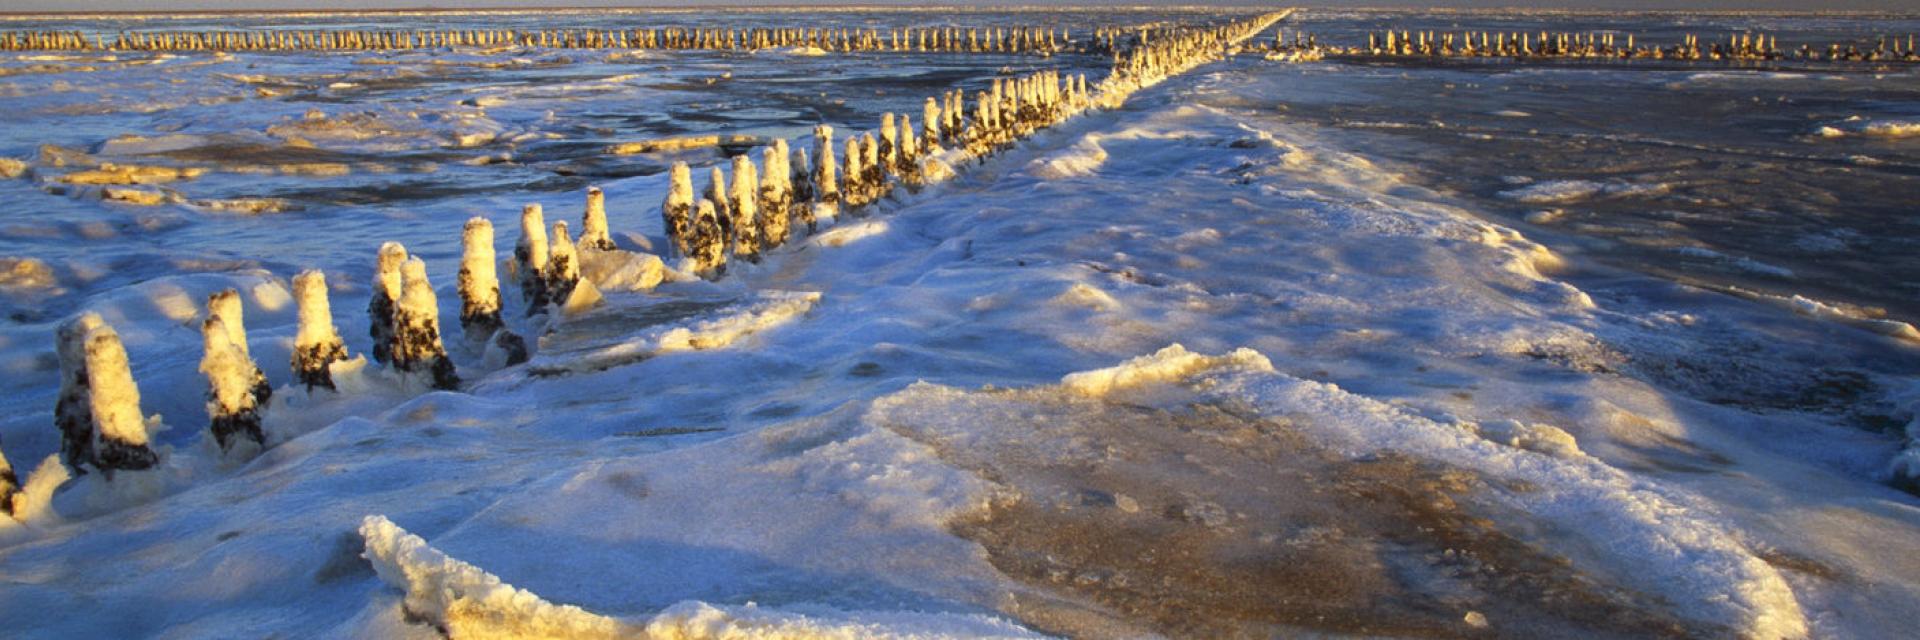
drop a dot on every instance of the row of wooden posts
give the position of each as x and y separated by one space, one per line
1598 46
98 409
762 204
1041 40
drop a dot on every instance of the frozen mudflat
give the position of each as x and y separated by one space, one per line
1214 362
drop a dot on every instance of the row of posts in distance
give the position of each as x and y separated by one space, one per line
1042 40
1528 45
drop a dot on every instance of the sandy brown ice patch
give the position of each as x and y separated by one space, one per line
1208 523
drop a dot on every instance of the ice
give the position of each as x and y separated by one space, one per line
33 505
466 601
1845 314
1691 561
1096 482
1891 129
770 309
22 275
1082 159
1572 191
1888 129
618 270
1187 365
1740 262
1171 364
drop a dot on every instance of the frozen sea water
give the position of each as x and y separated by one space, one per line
1785 178
1395 407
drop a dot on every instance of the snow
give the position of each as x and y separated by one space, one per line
113 396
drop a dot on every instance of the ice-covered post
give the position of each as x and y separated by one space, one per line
722 203
873 179
889 153
930 123
416 325
855 172
593 224
73 411
955 114
826 181
676 213
909 148
709 241
225 305
9 485
120 431
232 408
746 230
478 282
386 292
998 106
982 124
563 268
803 193
316 345
530 258
775 196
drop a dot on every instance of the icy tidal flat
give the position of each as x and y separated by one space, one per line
1240 351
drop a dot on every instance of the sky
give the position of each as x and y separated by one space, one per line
177 5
